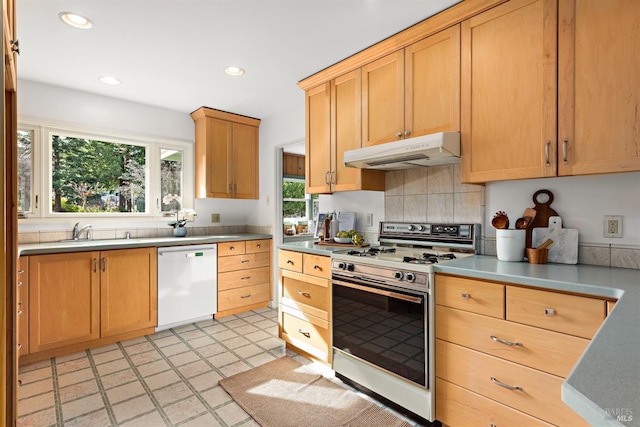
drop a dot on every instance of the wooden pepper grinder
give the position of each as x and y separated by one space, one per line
327 227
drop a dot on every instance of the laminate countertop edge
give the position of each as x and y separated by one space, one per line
109 244
604 385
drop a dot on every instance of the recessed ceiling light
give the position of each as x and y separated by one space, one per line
110 80
75 20
232 70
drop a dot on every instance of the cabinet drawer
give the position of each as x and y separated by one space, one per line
309 334
254 246
239 297
243 262
231 248
539 395
316 265
548 351
570 314
456 406
290 260
241 278
471 295
307 293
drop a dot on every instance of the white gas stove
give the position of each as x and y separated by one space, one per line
383 311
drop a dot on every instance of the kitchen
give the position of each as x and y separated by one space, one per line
434 195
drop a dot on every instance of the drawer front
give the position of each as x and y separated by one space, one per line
234 298
316 265
456 406
243 262
290 260
242 278
548 351
254 246
298 290
569 314
231 248
310 335
539 395
470 295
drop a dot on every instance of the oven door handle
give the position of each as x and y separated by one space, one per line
407 298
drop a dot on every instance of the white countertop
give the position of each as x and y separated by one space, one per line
606 380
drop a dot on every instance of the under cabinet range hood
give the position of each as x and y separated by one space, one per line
427 150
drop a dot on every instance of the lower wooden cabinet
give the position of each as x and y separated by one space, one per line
305 302
244 276
84 299
505 365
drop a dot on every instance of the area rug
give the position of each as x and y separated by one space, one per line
285 393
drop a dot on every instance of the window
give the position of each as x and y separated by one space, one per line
92 176
295 203
97 174
25 170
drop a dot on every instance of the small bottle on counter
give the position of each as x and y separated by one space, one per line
335 226
327 227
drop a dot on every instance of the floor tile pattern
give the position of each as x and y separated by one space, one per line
166 379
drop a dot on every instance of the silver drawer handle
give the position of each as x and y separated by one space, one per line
465 295
306 334
305 294
316 267
549 312
245 296
245 278
244 261
19 346
289 261
505 342
507 386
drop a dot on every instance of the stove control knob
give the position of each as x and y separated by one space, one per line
421 228
411 277
411 227
350 267
398 275
342 265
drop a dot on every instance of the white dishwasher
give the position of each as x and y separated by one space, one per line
187 284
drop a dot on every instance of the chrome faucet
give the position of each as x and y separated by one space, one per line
77 232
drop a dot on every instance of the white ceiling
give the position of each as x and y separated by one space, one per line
171 53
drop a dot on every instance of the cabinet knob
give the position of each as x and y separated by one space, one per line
289 261
259 245
407 132
549 312
232 248
399 135
15 46
465 295
20 271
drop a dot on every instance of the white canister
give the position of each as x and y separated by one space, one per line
510 244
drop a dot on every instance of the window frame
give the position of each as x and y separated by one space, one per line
42 189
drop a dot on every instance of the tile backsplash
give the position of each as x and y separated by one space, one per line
432 194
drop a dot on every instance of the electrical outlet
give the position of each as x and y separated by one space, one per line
215 217
369 220
613 226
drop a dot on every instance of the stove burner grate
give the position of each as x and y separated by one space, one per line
372 251
427 255
413 260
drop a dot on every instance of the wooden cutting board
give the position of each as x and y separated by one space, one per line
543 213
564 249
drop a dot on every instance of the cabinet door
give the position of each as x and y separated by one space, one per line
128 289
383 100
346 128
599 87
244 161
219 134
432 84
508 86
318 141
64 296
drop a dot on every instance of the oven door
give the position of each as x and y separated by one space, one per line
385 327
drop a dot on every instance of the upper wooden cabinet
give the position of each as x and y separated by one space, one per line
599 86
509 92
226 154
414 91
523 71
293 164
333 126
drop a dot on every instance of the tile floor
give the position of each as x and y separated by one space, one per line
166 379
